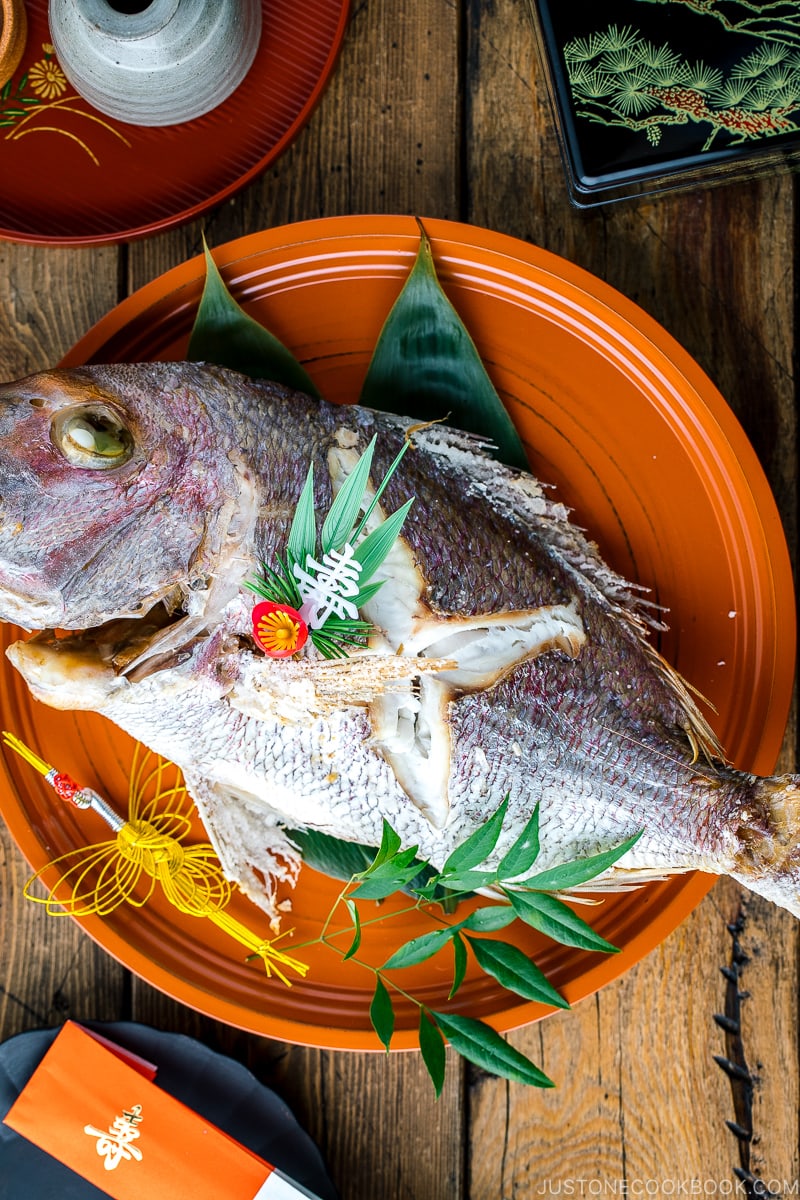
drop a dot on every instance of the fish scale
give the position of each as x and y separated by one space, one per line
506 657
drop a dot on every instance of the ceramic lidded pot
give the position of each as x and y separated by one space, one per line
159 62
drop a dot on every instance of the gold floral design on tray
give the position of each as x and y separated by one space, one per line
39 100
46 77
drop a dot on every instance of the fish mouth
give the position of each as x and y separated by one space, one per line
128 647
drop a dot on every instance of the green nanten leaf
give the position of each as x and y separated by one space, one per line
521 856
468 881
418 950
381 1013
223 333
431 1044
426 365
459 962
390 876
553 917
390 844
355 918
480 1044
515 971
346 506
490 919
579 870
478 845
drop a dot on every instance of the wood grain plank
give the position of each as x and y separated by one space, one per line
49 969
49 297
639 1096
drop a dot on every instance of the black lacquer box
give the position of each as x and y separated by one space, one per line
653 95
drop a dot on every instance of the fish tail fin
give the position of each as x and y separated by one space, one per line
768 855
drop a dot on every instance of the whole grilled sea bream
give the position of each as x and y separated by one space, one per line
136 501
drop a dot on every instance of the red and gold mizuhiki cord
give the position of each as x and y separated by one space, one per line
147 848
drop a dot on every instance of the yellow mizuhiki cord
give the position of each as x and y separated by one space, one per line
147 847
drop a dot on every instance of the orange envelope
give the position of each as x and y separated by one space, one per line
106 1120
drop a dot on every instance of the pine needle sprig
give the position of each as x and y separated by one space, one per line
344 527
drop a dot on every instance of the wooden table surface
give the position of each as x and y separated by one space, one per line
438 108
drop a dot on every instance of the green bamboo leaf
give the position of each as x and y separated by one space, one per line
343 512
490 919
376 545
380 490
459 963
303 533
426 365
347 860
381 1013
223 333
418 950
514 970
355 918
431 1043
579 870
523 853
554 918
6 91
478 845
332 856
480 1044
366 593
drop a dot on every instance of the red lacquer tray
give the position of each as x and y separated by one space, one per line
69 175
637 442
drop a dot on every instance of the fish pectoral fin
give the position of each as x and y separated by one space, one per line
301 690
486 647
249 841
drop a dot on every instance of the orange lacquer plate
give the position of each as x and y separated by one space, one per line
635 439
73 176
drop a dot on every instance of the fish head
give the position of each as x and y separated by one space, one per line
112 482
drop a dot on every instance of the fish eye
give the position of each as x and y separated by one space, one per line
91 436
